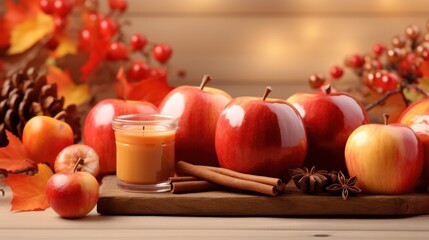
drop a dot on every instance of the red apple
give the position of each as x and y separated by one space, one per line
417 117
261 136
69 156
72 195
197 110
44 137
329 119
98 132
387 159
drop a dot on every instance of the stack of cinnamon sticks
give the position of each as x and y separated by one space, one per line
205 178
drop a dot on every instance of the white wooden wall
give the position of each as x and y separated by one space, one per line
247 44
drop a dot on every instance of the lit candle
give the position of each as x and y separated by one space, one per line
144 151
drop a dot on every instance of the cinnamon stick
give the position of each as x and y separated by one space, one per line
193 186
255 178
207 174
182 179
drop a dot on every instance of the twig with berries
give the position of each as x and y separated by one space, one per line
390 70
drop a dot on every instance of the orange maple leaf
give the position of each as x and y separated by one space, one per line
73 93
29 191
152 89
13 157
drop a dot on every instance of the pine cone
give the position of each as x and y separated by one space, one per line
25 95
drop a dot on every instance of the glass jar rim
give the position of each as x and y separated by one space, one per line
168 121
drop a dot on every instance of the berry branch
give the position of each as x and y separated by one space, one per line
400 68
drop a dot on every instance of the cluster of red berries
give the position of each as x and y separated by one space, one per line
387 68
103 34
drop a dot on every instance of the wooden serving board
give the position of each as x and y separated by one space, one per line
230 203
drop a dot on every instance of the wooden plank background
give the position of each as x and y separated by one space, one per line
255 43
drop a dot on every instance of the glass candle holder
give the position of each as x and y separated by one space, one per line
144 151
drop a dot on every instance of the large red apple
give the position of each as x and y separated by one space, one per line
387 159
261 136
197 110
98 132
417 117
329 119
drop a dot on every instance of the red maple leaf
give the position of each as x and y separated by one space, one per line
152 89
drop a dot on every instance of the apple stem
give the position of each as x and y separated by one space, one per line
268 89
386 118
79 162
205 80
328 89
60 115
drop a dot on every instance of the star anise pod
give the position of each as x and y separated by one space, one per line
332 178
308 182
345 185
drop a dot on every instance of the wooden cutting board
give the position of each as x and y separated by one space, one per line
231 203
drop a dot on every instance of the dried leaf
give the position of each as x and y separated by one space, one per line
13 157
65 47
73 94
152 89
27 33
29 191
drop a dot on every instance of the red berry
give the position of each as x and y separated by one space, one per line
398 41
412 32
107 27
162 52
336 72
59 23
356 61
117 51
379 49
47 6
138 42
120 5
85 39
316 81
157 72
138 71
62 7
385 81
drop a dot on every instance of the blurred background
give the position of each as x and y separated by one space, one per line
248 44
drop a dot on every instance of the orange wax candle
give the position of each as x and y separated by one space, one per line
144 151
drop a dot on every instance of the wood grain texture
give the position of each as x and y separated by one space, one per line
222 203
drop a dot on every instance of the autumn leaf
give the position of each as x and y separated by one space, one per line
96 56
13 157
27 33
29 191
73 94
16 13
152 89
66 46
